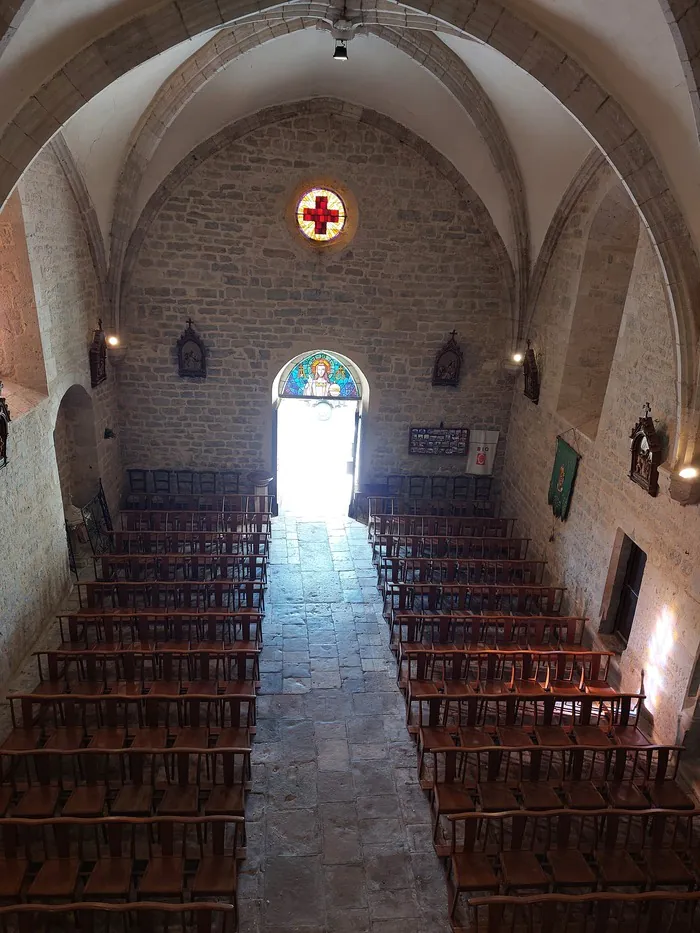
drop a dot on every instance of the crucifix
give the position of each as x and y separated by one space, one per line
189 322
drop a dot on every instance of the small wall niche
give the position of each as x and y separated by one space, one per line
622 588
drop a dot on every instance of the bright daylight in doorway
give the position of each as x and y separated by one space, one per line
315 439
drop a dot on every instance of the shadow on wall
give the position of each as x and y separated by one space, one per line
76 449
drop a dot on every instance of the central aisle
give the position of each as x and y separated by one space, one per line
339 835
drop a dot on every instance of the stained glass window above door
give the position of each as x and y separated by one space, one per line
320 375
321 215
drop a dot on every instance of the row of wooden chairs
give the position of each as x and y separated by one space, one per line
558 850
195 521
191 542
193 595
491 779
553 718
189 482
181 567
135 781
461 486
123 858
470 599
73 718
142 916
599 912
483 548
458 570
151 628
445 631
61 671
477 526
462 671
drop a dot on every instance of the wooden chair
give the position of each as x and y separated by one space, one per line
59 873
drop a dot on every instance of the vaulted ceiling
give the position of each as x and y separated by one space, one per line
513 140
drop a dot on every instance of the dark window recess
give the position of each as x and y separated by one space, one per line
635 561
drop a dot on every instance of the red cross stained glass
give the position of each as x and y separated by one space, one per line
321 215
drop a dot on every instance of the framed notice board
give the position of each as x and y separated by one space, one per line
441 442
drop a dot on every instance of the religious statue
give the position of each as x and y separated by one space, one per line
4 422
319 385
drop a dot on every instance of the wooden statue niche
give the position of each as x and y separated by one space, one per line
98 356
448 363
4 422
645 449
532 375
191 354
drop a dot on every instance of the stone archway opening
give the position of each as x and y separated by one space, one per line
76 449
318 407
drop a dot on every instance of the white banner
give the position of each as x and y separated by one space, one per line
482 452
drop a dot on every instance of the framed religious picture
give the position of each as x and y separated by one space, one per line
191 354
4 423
448 363
98 356
561 485
646 452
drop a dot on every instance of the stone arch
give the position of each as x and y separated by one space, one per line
75 445
427 50
600 302
683 18
488 21
318 105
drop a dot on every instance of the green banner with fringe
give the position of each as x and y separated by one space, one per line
561 484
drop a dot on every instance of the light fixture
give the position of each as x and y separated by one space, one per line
517 357
113 341
688 472
341 51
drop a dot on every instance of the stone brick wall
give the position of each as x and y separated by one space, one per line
221 250
666 633
35 576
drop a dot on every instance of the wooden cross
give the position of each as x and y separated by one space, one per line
453 334
321 215
189 322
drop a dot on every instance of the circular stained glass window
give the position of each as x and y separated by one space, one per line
321 215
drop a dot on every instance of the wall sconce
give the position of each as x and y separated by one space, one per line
517 357
112 341
685 485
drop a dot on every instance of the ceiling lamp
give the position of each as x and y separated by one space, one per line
341 51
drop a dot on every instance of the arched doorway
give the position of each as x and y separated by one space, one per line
318 409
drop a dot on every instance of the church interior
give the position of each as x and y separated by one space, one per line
350 466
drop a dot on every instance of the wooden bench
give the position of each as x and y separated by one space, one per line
458 570
192 595
476 631
88 916
184 520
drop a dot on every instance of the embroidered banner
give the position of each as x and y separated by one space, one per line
561 484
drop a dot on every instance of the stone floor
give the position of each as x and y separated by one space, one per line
339 835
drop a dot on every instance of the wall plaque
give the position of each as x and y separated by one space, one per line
440 442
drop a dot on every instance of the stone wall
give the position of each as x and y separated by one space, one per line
221 250
666 633
35 576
